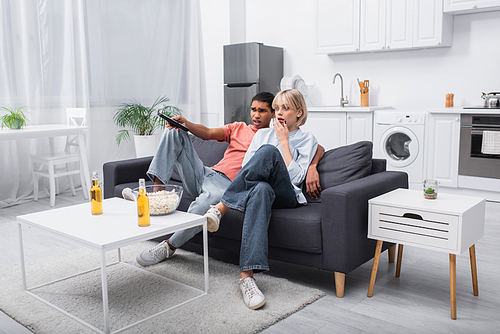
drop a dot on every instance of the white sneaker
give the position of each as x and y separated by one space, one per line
128 194
213 219
155 255
253 297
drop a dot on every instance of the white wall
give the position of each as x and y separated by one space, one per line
413 80
215 33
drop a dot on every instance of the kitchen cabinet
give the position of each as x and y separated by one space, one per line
337 28
338 128
381 25
359 126
385 24
329 128
470 6
430 26
442 147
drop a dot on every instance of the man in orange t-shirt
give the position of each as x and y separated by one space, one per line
208 184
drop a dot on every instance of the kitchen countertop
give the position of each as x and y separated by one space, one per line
461 110
345 109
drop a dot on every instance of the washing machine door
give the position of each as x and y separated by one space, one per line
399 146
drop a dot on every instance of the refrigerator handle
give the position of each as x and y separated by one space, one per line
246 84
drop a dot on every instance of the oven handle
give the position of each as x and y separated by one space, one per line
480 131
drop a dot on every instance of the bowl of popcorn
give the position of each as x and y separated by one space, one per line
163 199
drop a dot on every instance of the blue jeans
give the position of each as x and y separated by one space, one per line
262 184
204 183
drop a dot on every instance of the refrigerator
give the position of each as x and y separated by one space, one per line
249 68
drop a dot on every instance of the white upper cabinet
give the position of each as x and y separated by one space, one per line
372 25
399 30
381 25
470 6
337 28
431 27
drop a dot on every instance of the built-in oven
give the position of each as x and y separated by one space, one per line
472 160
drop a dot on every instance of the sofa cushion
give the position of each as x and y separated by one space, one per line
344 164
298 229
209 151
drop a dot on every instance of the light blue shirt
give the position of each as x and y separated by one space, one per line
303 147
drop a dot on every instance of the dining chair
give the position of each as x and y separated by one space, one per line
57 164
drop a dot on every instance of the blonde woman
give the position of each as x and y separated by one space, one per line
272 173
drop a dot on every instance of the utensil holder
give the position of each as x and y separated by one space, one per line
365 99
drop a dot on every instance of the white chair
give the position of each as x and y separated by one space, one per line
54 165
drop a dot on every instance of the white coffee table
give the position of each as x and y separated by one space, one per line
450 223
117 227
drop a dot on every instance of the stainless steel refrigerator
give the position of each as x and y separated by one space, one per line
249 68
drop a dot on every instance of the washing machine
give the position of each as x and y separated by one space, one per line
398 137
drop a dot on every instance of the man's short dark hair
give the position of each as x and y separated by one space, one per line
265 97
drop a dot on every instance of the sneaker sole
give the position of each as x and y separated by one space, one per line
259 305
143 264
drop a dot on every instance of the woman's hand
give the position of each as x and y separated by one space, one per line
281 131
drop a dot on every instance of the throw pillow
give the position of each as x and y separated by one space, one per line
344 164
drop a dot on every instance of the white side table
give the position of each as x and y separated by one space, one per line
450 224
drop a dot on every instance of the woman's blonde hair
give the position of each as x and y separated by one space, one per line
295 100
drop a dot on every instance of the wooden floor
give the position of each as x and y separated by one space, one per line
416 302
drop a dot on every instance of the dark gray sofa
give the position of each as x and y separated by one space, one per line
329 233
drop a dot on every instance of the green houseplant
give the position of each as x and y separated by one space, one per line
142 120
14 119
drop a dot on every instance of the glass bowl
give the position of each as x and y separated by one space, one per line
163 199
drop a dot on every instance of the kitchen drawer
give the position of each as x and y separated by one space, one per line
419 227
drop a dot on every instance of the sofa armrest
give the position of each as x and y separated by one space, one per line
124 171
345 219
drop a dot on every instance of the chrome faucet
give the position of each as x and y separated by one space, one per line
342 101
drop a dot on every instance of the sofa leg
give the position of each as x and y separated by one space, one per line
392 253
339 284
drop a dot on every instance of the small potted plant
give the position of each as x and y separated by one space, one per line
14 119
430 193
143 121
430 189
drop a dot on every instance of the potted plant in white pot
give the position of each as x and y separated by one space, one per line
14 119
143 121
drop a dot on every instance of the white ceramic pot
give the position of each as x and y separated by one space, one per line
145 146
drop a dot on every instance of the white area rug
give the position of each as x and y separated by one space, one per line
134 295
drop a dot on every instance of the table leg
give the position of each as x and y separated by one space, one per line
375 267
473 269
391 252
205 255
21 248
105 304
453 285
400 258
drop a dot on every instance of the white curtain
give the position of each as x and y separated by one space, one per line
93 54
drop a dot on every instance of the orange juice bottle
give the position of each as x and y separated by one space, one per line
143 204
96 196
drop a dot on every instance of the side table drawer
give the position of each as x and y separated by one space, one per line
415 226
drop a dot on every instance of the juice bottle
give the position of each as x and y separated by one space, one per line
143 204
96 196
